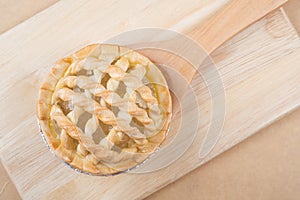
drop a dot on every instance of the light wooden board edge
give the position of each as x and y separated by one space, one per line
291 9
285 14
13 13
7 187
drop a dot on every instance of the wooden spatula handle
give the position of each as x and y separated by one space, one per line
230 20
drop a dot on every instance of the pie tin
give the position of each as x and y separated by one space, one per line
104 175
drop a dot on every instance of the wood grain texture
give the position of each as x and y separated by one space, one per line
14 12
233 17
267 163
29 161
7 188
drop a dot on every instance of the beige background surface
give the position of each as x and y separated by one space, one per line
265 166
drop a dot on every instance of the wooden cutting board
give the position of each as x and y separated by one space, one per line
37 173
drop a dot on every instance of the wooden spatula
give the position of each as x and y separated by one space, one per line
209 34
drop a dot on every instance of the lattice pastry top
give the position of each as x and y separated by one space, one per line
104 109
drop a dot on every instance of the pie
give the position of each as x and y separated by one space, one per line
104 109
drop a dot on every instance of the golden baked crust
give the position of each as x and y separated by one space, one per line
104 109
